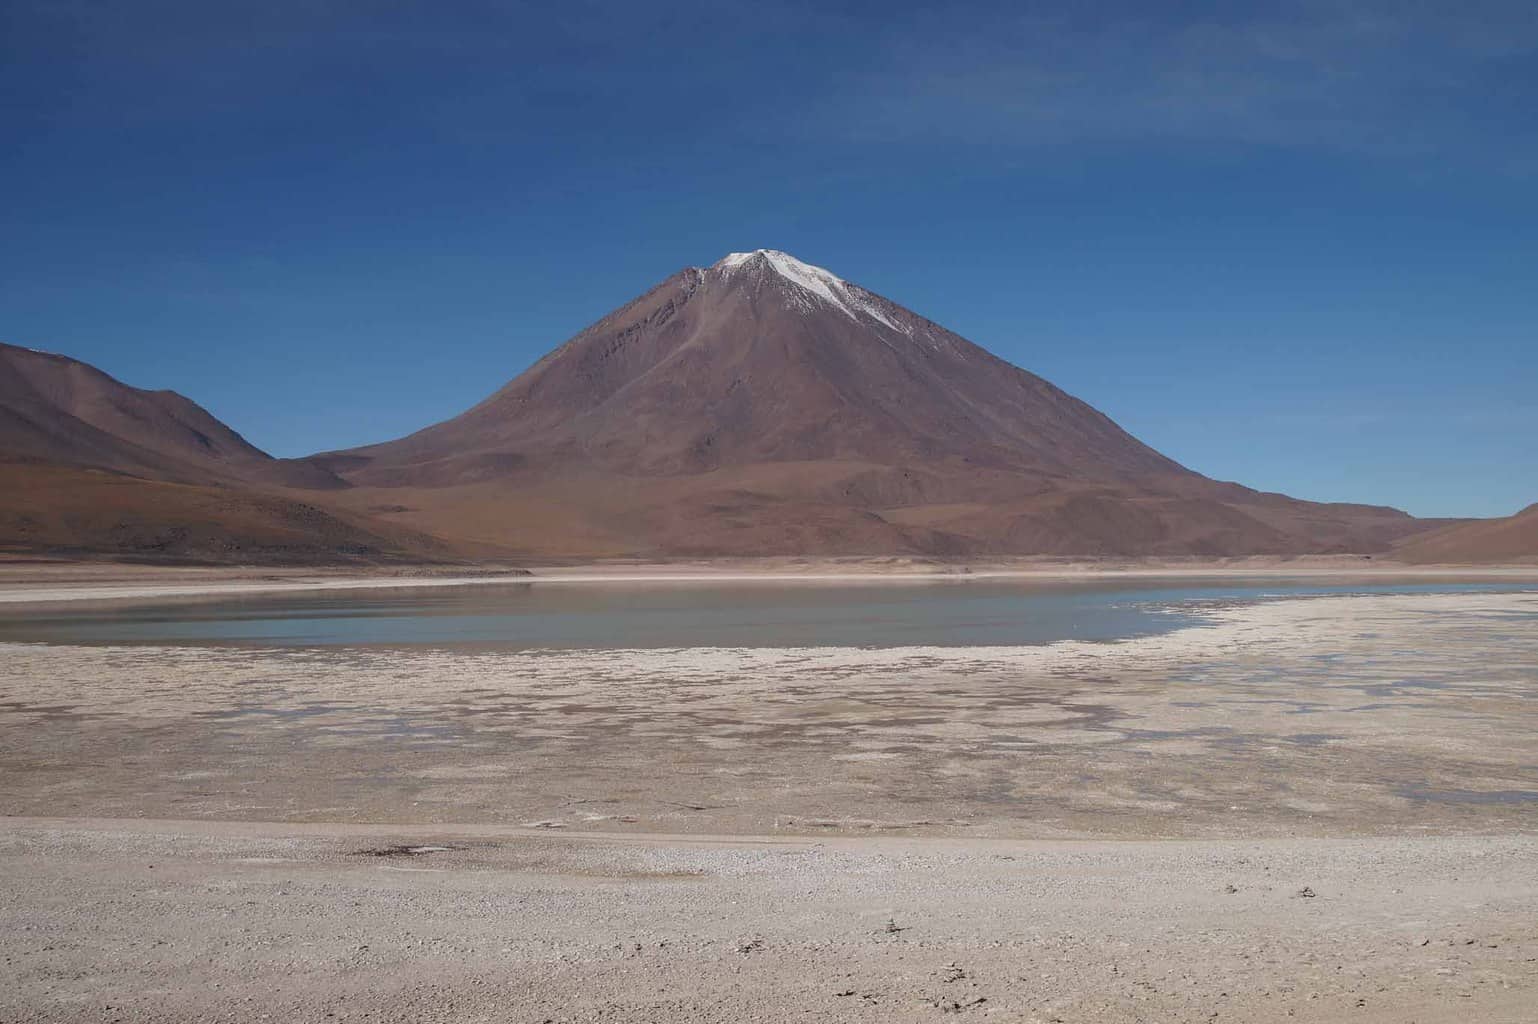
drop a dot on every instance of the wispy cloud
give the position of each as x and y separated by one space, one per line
1403 78
1426 82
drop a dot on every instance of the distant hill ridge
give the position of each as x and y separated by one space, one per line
60 410
91 466
1512 539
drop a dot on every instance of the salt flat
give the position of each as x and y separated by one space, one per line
1046 833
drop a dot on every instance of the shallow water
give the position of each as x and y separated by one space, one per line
948 612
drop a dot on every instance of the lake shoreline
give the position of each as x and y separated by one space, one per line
1179 733
25 582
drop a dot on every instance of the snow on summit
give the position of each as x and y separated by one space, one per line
851 300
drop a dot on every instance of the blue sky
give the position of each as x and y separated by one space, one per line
1290 244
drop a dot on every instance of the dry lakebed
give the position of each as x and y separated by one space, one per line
1318 807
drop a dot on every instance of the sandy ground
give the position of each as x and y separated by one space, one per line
1081 832
171 921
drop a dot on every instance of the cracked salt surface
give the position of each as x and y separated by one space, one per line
1419 708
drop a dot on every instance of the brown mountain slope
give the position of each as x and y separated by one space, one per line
60 410
70 510
1512 539
89 465
764 359
765 406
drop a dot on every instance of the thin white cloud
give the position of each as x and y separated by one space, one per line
1402 79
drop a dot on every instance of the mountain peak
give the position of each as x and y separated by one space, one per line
781 262
815 285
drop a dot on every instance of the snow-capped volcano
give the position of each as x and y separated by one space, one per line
762 357
765 405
